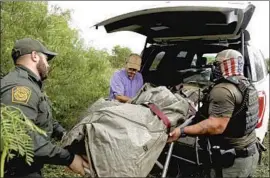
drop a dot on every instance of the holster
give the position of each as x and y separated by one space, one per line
223 158
227 157
261 147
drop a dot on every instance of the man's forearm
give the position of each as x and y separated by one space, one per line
210 126
50 153
122 98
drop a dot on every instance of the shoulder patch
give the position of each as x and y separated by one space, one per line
21 94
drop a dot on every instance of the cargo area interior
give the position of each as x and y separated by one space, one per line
184 62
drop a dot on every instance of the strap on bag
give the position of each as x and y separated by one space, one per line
159 113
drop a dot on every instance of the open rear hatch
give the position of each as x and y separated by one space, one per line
176 21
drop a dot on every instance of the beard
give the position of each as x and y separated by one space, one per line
42 70
130 75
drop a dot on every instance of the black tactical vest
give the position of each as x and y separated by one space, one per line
245 116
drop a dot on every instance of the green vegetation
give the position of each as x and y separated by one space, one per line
14 135
263 170
79 75
119 56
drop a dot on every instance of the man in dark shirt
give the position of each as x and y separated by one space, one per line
22 88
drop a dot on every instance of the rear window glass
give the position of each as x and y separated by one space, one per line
182 54
257 65
210 57
194 61
263 61
157 60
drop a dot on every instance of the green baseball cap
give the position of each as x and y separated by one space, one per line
27 46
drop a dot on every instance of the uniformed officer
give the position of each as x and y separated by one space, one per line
230 118
22 88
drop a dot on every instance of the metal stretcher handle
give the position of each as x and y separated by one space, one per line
169 155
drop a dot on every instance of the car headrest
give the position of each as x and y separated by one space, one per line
201 61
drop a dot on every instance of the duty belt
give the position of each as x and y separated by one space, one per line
248 151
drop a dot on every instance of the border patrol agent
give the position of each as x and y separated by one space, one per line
22 88
230 117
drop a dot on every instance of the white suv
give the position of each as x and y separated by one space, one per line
180 35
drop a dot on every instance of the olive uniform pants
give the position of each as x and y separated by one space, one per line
242 167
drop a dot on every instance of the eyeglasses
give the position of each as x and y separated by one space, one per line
133 70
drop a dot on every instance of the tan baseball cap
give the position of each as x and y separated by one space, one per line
134 62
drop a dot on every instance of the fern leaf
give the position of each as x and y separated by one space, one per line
15 128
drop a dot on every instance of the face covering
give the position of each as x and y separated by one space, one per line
228 67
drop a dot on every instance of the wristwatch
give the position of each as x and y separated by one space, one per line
182 133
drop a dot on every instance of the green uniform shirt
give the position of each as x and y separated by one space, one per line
223 100
23 89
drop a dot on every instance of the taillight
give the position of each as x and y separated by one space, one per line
262 102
